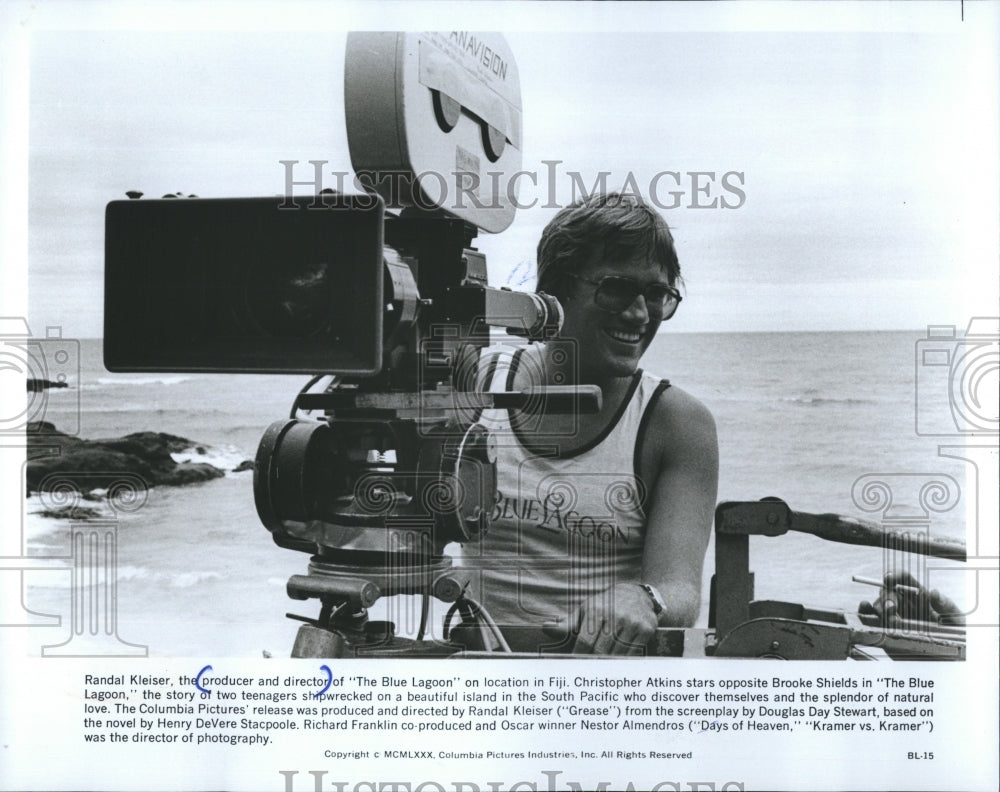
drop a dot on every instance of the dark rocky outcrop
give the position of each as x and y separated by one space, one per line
92 464
35 385
73 512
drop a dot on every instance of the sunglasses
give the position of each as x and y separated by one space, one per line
615 294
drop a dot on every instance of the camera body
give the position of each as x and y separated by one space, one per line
956 380
257 285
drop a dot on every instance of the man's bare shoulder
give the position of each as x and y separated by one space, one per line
680 424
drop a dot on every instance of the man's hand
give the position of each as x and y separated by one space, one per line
618 621
902 597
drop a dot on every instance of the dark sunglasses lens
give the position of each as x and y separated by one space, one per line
662 299
616 294
658 295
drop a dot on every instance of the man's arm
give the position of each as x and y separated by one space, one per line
681 458
681 504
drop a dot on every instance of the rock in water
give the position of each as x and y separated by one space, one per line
91 464
71 513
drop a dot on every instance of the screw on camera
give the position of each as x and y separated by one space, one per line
957 379
47 364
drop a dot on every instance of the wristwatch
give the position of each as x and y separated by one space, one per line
654 595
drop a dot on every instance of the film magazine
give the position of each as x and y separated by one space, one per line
829 175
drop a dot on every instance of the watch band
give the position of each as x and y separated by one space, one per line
654 595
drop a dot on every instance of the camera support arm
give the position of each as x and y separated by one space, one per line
745 627
773 517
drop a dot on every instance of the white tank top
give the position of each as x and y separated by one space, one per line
565 526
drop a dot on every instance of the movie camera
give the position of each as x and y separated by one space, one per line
393 306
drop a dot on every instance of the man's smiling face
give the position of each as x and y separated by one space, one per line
609 343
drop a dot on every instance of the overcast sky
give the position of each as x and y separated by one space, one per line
865 141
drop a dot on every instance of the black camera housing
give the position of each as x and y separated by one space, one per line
258 285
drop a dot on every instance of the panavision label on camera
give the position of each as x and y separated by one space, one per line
432 116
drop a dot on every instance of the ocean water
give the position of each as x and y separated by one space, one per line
801 416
